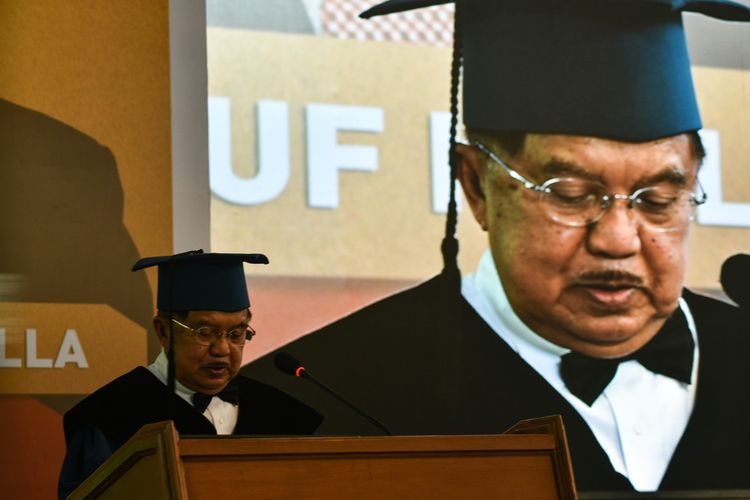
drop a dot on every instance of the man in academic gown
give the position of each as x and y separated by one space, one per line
582 167
203 318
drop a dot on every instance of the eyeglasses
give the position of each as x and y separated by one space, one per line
207 335
580 202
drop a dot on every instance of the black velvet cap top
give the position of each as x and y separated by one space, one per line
197 281
608 68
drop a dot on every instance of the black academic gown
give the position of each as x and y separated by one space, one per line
103 421
424 362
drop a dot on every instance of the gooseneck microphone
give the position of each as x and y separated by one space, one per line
288 364
735 279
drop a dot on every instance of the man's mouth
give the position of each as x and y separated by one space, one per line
611 294
610 288
216 368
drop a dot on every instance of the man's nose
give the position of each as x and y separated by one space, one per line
616 234
220 345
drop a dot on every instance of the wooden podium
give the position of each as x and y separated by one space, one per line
529 461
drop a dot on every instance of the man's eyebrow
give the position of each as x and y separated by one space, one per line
671 175
239 324
242 324
560 168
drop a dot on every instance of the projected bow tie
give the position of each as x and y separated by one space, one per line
230 394
669 353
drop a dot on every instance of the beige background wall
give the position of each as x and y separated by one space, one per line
85 190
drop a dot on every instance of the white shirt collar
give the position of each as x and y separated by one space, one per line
159 369
491 292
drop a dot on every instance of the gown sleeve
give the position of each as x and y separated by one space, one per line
87 449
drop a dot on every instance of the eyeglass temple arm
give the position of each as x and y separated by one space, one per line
702 195
515 175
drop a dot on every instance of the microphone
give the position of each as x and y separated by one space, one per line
735 279
288 364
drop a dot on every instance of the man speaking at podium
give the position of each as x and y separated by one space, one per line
582 166
204 310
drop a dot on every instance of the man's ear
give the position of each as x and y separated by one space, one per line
471 175
161 332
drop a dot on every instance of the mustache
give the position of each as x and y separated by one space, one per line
608 277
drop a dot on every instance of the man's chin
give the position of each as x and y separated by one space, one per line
212 389
212 385
583 330
611 342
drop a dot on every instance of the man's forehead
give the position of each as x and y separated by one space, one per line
596 156
216 316
555 141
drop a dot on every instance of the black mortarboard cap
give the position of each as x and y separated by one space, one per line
607 68
200 281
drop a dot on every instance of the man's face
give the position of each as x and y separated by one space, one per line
603 289
204 368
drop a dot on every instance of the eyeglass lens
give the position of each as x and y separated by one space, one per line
577 202
207 336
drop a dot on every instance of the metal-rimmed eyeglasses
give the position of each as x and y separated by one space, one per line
206 335
577 202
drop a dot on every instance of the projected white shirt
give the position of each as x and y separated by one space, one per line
639 418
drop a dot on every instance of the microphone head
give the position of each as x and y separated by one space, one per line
735 279
288 364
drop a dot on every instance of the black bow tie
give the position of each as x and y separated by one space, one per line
230 394
669 353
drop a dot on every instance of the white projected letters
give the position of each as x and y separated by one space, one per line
716 211
273 153
5 361
70 351
325 156
32 361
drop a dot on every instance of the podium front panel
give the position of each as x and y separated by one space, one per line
433 467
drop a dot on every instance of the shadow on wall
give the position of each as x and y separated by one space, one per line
61 218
